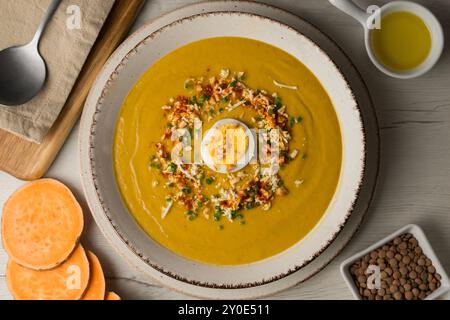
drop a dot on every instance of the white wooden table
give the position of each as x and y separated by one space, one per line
414 184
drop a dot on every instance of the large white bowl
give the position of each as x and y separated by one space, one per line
96 140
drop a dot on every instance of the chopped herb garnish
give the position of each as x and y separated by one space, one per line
278 104
209 180
155 166
194 100
189 84
186 190
172 167
292 122
217 213
221 110
233 83
304 156
191 215
169 126
250 205
251 191
203 99
225 99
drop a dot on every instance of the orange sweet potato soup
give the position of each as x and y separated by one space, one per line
235 217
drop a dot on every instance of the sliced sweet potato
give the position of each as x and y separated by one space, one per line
112 296
68 281
41 224
96 286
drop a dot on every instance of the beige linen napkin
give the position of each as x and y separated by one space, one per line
64 49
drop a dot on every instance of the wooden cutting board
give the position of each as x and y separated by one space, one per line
29 161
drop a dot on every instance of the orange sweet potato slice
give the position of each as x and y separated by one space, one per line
68 281
112 296
41 224
96 286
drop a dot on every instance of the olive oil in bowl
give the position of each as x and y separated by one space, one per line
410 41
403 42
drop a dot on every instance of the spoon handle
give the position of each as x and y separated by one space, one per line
350 8
50 11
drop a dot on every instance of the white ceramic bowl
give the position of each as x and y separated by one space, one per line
437 34
417 232
99 121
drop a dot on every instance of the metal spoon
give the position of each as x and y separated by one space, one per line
22 69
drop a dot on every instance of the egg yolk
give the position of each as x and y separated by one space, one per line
228 145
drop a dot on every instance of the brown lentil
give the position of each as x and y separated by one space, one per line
409 295
398 296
